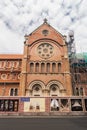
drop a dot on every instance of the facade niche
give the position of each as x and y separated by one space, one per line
53 67
48 68
81 91
77 92
31 67
16 92
42 67
59 67
11 92
37 67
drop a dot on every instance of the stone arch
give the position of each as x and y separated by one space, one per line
55 88
30 86
55 82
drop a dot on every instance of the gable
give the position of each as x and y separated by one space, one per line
45 31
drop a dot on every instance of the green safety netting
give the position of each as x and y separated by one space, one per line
81 60
82 56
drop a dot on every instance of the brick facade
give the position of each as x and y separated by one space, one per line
45 63
41 73
46 67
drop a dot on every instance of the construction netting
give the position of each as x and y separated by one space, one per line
82 57
79 60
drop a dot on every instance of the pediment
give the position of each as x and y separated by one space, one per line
46 31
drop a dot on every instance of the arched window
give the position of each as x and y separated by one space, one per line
53 87
2 64
16 92
9 64
53 67
81 91
31 67
59 67
37 91
37 67
11 92
77 92
15 64
48 68
36 87
42 67
54 91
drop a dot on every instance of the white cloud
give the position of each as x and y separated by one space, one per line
18 17
10 42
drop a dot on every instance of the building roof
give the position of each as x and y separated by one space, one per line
11 56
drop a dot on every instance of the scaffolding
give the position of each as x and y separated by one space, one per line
78 66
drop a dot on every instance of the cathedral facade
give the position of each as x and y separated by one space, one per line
40 79
43 69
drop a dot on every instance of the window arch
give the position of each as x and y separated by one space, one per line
48 68
81 91
9 64
77 91
54 91
2 64
37 90
16 92
53 67
31 67
36 87
42 67
37 67
16 64
59 67
53 87
13 92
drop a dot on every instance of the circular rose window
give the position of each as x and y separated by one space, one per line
45 50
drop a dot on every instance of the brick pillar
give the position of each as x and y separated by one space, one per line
24 70
67 76
47 104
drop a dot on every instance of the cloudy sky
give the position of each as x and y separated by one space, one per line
20 17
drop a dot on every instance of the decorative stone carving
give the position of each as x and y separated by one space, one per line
45 50
4 76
